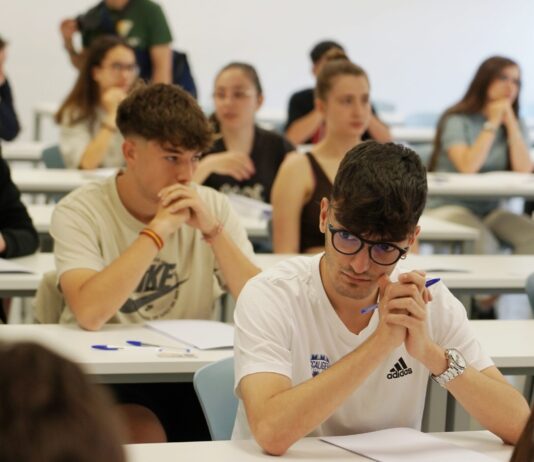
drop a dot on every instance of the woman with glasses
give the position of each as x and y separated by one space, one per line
244 158
483 133
88 134
342 96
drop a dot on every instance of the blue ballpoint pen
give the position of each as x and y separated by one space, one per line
373 307
138 343
105 347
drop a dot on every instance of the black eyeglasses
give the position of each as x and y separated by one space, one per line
382 253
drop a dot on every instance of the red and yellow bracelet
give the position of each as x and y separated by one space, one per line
156 238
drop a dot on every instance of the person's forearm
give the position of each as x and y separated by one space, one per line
302 129
379 131
96 150
161 57
474 158
497 406
235 266
519 155
287 416
101 296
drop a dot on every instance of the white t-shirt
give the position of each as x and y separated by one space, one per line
92 228
74 139
286 324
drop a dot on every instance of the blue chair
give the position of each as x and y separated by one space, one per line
52 157
529 288
214 386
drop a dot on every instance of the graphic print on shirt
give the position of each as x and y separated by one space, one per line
157 292
400 369
319 363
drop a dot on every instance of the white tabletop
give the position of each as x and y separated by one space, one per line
25 284
305 450
52 181
491 185
432 229
122 366
414 135
461 273
510 343
28 151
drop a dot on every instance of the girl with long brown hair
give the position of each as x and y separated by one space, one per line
483 133
88 134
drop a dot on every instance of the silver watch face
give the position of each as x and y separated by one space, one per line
456 358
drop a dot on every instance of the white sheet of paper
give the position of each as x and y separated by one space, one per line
7 266
201 334
405 445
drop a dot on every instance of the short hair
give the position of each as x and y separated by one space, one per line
321 48
164 113
50 411
380 191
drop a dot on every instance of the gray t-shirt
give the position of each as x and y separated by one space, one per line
465 129
92 228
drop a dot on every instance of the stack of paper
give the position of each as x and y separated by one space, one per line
405 445
7 266
204 335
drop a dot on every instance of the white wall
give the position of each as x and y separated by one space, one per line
420 54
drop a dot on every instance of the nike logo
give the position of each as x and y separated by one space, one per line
131 306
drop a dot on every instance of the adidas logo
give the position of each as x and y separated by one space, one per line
399 370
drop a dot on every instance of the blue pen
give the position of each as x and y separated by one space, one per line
373 307
139 343
111 347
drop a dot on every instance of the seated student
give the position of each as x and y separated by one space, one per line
342 96
524 449
244 158
9 124
51 412
18 236
482 133
88 135
305 122
149 244
308 362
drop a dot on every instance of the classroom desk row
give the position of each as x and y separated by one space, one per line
305 450
499 185
509 343
433 230
463 274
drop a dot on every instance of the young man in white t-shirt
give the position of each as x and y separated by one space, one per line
148 244
309 362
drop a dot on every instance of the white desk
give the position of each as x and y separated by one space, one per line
122 366
55 181
423 135
491 185
25 284
463 274
25 151
305 450
432 229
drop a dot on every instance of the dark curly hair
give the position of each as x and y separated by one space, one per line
164 113
380 191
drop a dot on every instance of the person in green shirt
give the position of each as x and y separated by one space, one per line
141 23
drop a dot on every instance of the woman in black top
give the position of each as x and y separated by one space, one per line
9 124
244 158
342 96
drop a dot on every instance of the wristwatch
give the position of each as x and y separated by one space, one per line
456 367
489 126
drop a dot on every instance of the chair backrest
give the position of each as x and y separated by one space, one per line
529 288
214 385
52 157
